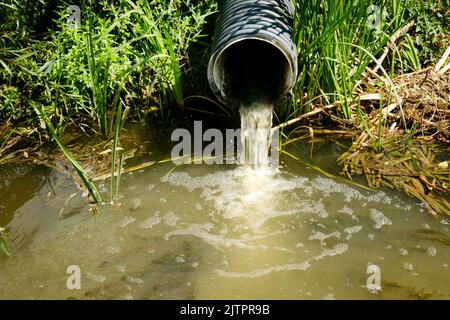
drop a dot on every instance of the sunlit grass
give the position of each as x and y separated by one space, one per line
3 245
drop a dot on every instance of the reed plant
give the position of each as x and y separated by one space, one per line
82 173
329 35
3 245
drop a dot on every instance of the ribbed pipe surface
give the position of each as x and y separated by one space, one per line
253 54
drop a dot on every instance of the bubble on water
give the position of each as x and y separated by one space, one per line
135 204
351 231
284 249
180 260
408 266
96 277
150 186
261 272
151 221
327 186
113 249
329 296
431 251
202 232
195 265
128 297
235 193
379 218
371 236
317 235
126 221
403 252
134 280
170 219
426 226
339 248
348 211
121 269
163 200
198 206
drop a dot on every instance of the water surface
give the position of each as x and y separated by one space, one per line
213 232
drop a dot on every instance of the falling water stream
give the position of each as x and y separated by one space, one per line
256 124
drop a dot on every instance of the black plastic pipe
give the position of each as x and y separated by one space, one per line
253 56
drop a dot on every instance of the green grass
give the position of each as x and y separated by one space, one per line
335 45
333 40
3 245
84 176
126 57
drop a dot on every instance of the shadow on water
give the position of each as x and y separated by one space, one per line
18 184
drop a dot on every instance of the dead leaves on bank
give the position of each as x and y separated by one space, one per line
412 168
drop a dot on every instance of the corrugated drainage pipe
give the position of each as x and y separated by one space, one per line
253 56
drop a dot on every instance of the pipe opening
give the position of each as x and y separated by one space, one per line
252 70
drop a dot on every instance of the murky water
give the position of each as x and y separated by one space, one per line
203 232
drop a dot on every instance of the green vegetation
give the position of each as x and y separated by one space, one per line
3 246
337 41
134 59
131 54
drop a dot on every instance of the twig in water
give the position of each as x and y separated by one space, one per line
304 116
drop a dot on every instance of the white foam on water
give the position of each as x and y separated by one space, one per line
408 266
338 249
351 231
96 277
262 272
151 221
379 218
126 221
170 219
317 235
202 232
253 195
134 280
113 249
327 186
431 251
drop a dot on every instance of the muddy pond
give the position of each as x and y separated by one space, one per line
220 232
